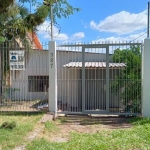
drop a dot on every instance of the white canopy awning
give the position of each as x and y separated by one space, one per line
94 65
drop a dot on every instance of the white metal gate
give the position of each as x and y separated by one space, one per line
100 78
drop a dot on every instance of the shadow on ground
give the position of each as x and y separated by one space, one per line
112 122
20 113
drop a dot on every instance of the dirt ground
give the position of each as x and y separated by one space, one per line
84 124
76 123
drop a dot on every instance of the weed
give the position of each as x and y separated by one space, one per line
8 125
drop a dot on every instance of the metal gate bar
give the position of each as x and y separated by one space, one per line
83 79
110 74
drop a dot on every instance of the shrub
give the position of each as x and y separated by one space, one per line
8 125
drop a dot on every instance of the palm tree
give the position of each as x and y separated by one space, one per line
4 4
13 31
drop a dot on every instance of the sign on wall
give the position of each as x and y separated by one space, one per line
17 60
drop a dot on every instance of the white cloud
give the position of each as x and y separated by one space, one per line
133 37
78 35
121 23
61 37
44 32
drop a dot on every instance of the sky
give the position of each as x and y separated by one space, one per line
100 20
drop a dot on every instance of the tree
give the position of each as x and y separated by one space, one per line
4 4
15 17
16 22
129 78
60 9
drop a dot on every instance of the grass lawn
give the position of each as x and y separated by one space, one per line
76 133
134 138
10 138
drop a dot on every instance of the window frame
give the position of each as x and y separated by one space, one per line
38 83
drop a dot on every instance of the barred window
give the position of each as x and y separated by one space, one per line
38 83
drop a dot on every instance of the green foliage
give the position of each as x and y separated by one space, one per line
18 21
63 9
8 92
37 18
60 9
129 78
4 4
136 121
23 11
8 125
132 58
4 58
28 1
2 39
12 23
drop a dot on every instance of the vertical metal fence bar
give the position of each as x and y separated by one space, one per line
72 79
95 83
62 80
119 80
75 86
141 78
126 92
107 79
83 79
88 82
102 83
80 88
87 92
68 77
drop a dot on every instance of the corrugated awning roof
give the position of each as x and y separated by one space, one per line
94 65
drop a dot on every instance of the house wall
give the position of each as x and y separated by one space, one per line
69 79
36 65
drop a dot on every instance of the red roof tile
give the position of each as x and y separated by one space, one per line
35 40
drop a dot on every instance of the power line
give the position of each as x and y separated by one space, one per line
139 36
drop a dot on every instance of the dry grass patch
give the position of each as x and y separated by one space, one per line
115 134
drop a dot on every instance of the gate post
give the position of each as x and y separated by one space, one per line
52 97
146 79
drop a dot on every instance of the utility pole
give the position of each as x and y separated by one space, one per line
51 15
52 98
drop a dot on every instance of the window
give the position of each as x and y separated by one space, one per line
38 83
